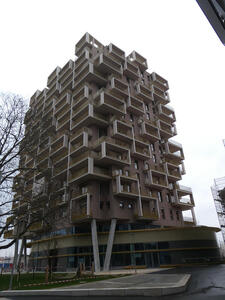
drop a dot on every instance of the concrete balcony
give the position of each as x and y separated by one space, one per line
82 168
37 226
122 131
174 152
173 172
118 87
58 146
150 131
135 106
66 76
166 113
183 203
87 116
54 90
87 41
159 82
63 120
126 186
105 64
188 221
144 93
108 104
52 78
166 130
79 144
83 58
112 154
49 128
80 97
130 70
116 53
183 197
156 179
62 104
60 168
9 234
160 96
138 60
140 150
89 73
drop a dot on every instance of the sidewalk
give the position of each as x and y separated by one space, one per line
136 285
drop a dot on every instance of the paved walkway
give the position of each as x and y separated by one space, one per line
135 285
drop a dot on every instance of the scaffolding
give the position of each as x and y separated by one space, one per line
218 192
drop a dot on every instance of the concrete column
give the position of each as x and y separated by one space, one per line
25 254
193 216
109 245
95 245
140 211
20 253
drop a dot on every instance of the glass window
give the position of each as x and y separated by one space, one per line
160 197
163 213
136 164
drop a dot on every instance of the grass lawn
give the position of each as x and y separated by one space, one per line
39 278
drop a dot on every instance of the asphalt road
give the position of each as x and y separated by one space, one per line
207 282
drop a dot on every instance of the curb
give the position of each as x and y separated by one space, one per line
139 291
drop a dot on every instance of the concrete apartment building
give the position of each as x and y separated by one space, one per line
108 145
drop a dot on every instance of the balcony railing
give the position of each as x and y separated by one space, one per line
107 103
159 82
160 96
116 53
114 154
130 70
148 216
139 60
134 105
89 73
166 113
150 132
87 41
87 116
144 93
118 87
122 131
107 65
79 144
140 150
157 180
126 186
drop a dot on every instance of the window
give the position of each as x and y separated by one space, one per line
148 116
84 189
130 205
108 204
131 118
154 158
120 172
168 198
121 205
102 132
128 188
146 107
101 204
171 214
163 213
127 173
136 164
152 146
177 215
160 197
146 166
119 156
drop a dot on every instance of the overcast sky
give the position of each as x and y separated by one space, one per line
174 36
